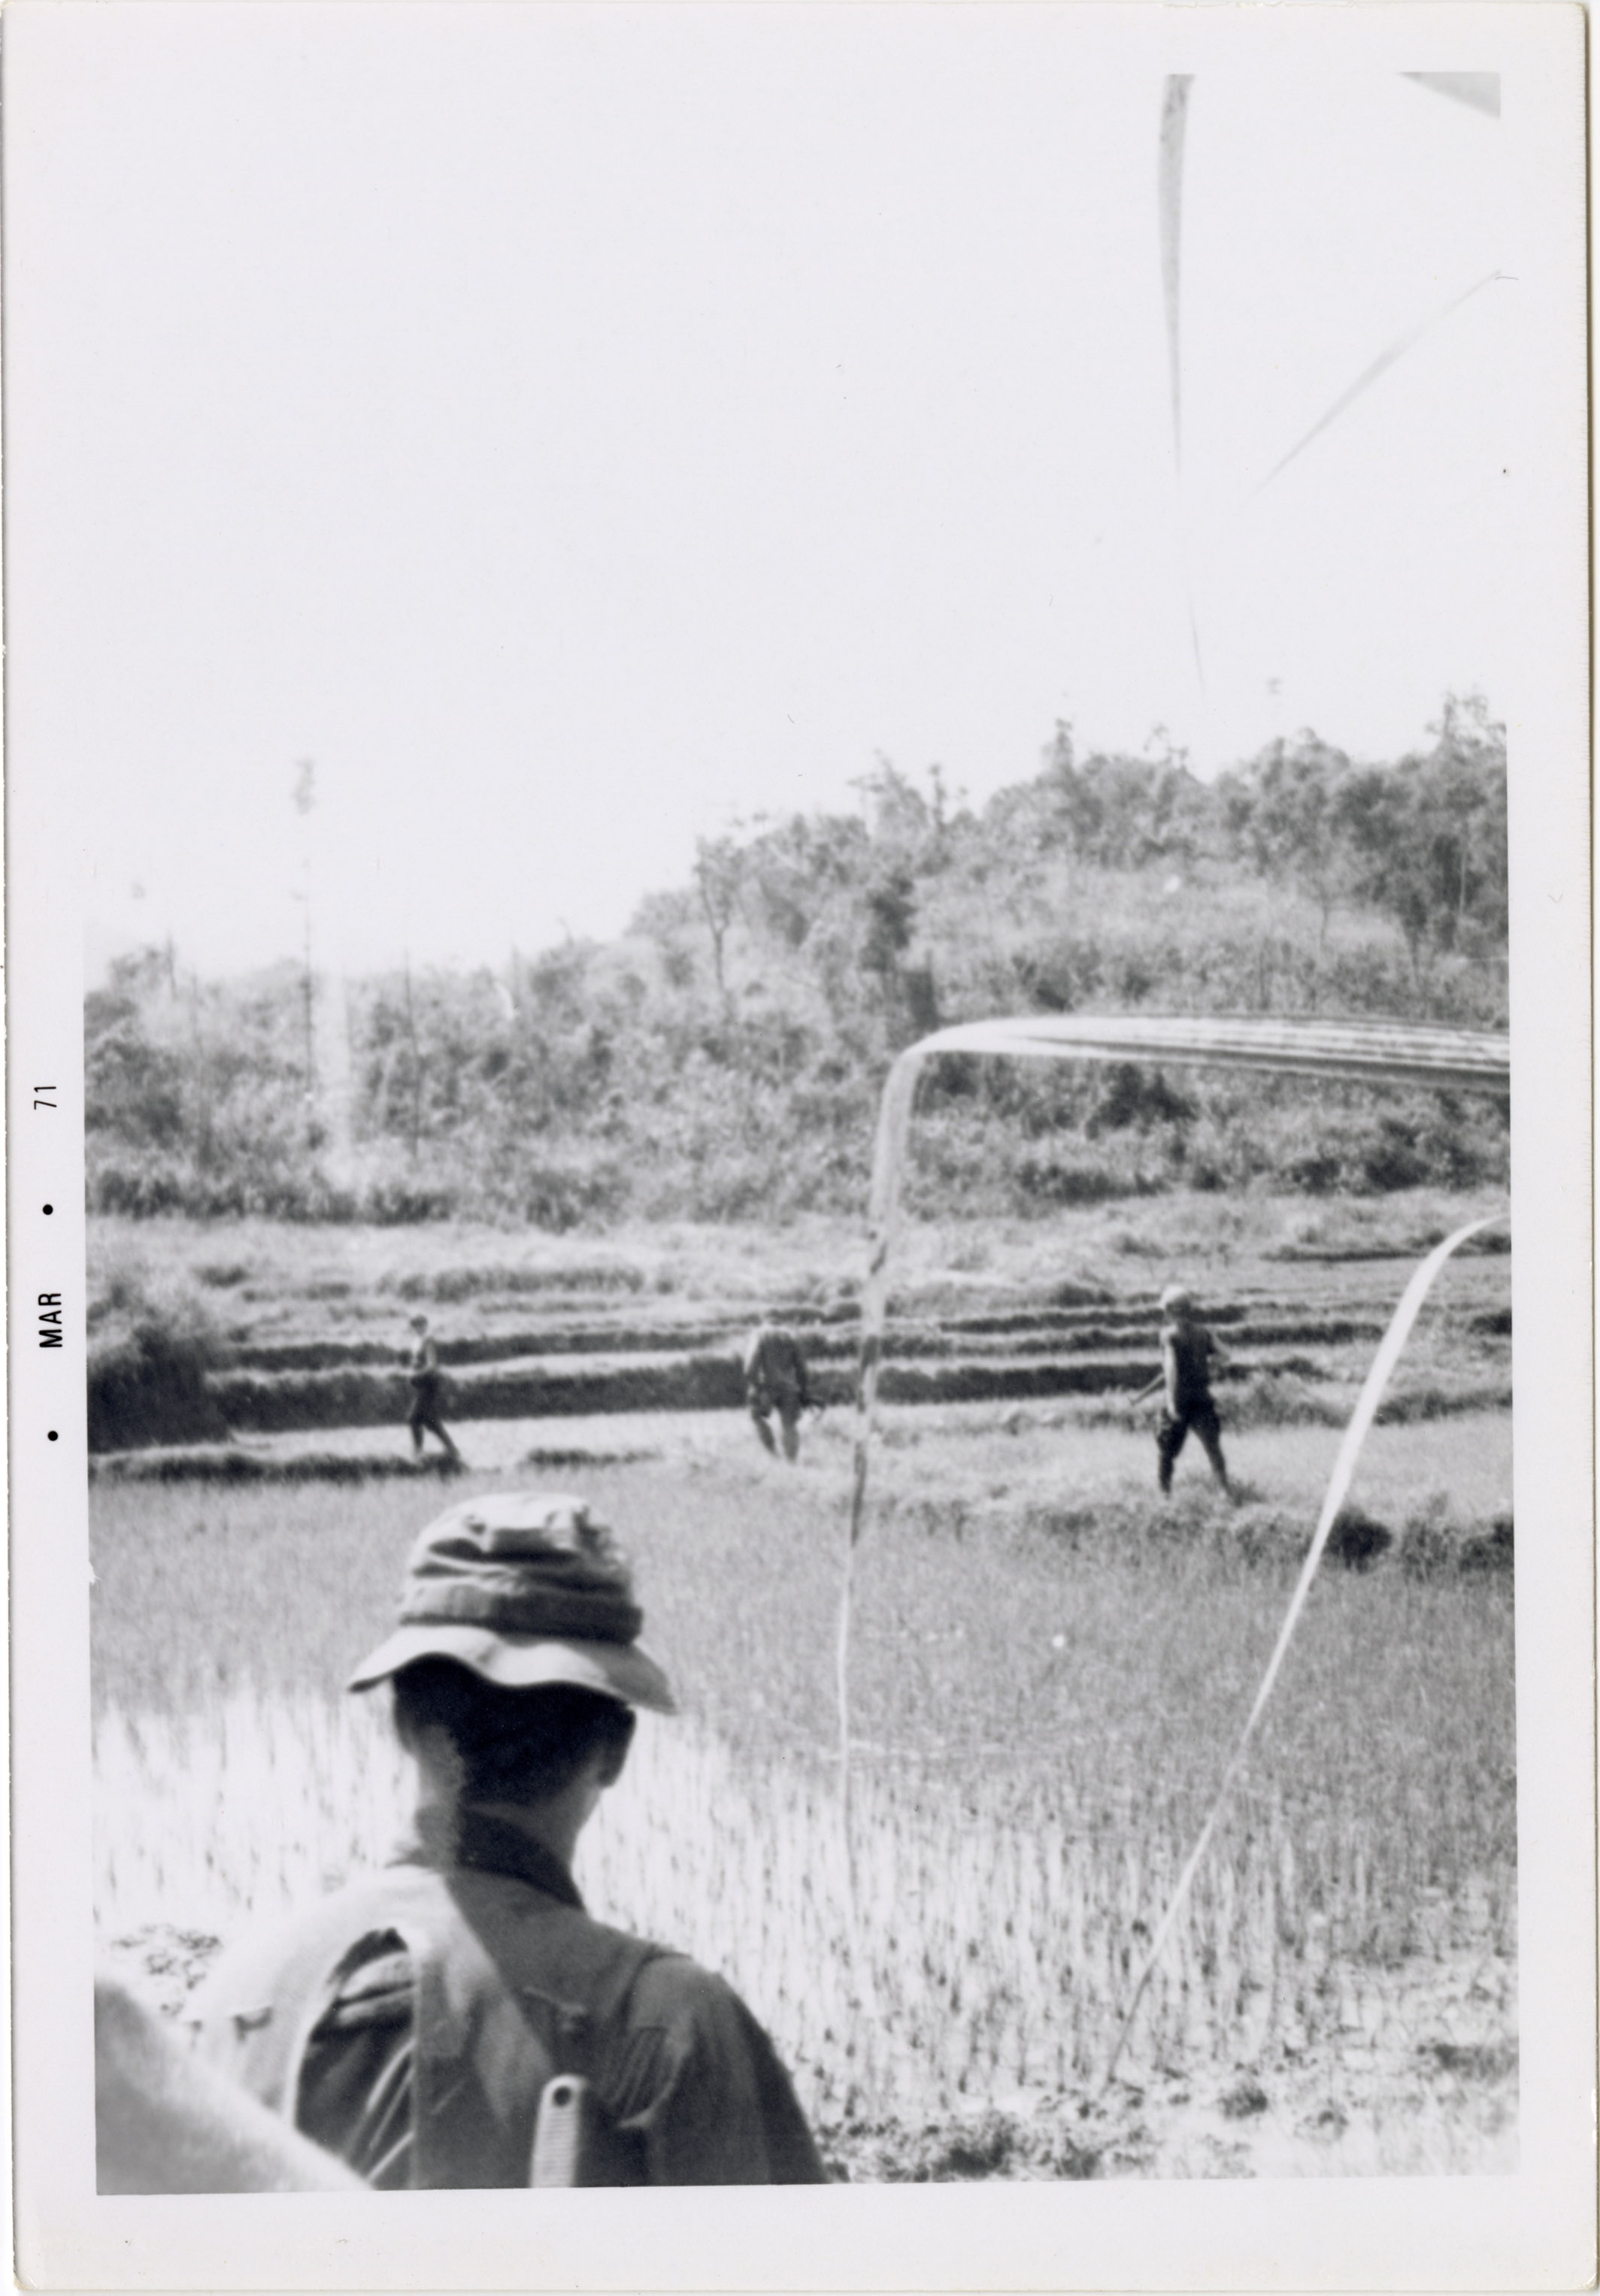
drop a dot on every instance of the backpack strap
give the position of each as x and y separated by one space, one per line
510 1988
568 1978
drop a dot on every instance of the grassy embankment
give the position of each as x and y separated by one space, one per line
265 1278
279 1330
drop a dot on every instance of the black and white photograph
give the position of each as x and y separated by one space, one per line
797 845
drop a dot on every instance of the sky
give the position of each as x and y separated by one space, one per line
577 431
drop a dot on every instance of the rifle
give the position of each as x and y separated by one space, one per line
574 2142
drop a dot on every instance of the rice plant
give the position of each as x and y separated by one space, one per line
1042 1719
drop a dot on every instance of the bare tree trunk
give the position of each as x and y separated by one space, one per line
202 1097
309 995
415 1126
718 934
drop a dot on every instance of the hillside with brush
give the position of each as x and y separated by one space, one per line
722 1060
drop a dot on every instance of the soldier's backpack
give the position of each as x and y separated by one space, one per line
515 1998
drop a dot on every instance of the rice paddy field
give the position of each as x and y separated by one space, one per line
1049 1671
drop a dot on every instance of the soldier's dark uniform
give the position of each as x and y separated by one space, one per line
774 1380
427 1393
410 2022
1188 1352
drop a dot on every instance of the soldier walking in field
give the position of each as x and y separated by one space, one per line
1188 1353
458 2018
774 1380
427 1392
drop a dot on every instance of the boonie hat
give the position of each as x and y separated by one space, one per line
1177 1295
525 1588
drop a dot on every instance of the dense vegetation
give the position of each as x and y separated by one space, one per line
723 1058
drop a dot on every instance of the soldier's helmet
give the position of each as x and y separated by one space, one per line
1178 1299
525 1588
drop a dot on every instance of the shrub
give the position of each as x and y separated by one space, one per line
1490 1550
1357 1539
1278 1399
149 1345
1434 1543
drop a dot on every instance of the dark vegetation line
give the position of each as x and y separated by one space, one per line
723 1059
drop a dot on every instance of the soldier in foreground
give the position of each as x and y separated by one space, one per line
1188 1352
412 2022
427 1393
774 1380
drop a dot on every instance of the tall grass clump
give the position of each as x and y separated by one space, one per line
152 1335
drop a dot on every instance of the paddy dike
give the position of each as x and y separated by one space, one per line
987 1343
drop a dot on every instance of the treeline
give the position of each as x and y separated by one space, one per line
723 1059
